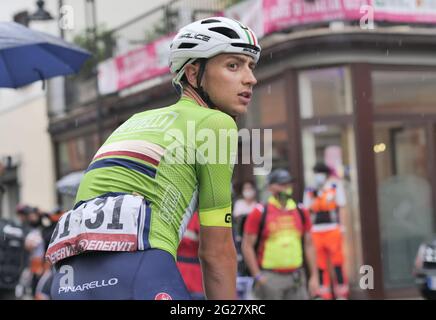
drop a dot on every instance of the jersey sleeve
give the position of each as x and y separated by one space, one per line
216 150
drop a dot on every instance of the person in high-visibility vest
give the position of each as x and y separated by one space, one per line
188 262
276 243
326 201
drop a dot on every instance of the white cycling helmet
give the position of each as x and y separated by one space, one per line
207 38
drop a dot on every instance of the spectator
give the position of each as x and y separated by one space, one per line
187 259
276 237
34 244
326 201
48 223
244 205
241 209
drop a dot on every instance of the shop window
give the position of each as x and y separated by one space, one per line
404 91
77 153
91 142
64 161
325 92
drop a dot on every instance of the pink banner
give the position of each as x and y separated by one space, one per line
135 66
264 16
282 14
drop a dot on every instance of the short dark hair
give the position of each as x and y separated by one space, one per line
23 209
250 182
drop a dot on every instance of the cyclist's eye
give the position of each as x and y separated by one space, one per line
233 66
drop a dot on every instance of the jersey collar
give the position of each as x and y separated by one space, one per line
190 94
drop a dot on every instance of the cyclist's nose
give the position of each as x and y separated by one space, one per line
249 78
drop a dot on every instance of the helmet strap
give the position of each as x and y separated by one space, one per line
200 91
176 80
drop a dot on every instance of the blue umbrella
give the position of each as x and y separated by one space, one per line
69 184
27 56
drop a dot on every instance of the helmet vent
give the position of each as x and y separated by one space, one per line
187 45
209 21
226 32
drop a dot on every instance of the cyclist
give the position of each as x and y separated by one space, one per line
154 171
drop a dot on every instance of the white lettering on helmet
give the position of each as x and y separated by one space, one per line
197 36
251 50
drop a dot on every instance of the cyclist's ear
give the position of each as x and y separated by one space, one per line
191 73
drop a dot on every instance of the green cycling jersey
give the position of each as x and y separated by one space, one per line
179 158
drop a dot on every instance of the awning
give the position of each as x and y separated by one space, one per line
69 184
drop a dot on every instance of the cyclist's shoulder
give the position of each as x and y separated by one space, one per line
203 117
182 114
215 120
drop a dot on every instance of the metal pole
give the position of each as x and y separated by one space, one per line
99 110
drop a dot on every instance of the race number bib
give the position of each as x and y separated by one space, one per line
101 224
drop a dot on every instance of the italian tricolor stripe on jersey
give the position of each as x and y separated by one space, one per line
124 163
137 149
129 154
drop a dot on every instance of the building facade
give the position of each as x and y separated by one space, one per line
25 151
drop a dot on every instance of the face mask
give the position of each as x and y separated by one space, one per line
248 194
320 179
285 195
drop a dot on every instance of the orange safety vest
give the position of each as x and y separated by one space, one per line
324 206
36 265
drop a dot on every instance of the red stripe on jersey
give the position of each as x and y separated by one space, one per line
131 154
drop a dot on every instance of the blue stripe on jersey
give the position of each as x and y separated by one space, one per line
125 163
